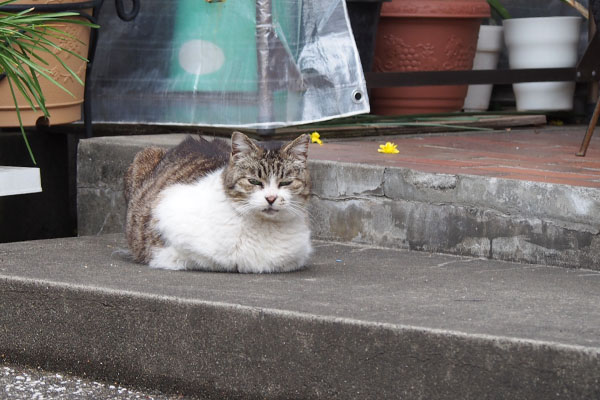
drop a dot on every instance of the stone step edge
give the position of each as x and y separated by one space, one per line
567 205
194 347
469 215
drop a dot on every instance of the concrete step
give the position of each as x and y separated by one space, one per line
360 322
392 206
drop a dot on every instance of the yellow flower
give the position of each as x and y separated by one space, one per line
314 137
388 148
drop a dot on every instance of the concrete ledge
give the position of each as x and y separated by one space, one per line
393 207
358 323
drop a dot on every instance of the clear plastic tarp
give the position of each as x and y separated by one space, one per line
257 64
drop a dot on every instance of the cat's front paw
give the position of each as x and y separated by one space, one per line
167 258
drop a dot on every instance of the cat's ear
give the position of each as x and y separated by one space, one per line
298 148
241 145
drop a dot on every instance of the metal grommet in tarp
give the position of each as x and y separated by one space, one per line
357 96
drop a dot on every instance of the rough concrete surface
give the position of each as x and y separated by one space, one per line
359 322
22 383
478 216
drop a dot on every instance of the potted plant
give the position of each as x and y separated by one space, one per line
425 35
42 65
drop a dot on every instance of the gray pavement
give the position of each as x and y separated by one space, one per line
360 283
358 322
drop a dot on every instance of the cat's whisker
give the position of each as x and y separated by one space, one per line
244 209
302 210
298 205
299 210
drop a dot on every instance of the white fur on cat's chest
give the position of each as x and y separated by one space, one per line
202 230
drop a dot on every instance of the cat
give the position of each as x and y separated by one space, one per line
213 207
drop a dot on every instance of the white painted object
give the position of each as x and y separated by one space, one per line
19 180
489 46
201 57
543 42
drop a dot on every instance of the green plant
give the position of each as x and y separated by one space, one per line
499 9
27 40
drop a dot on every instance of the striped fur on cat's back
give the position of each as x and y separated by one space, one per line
203 205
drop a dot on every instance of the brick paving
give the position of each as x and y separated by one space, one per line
543 154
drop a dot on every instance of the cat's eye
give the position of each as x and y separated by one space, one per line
285 183
255 182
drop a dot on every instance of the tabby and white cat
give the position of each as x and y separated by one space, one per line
200 206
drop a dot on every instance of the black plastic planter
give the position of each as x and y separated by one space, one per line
364 17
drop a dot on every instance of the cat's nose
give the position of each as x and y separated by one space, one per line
271 199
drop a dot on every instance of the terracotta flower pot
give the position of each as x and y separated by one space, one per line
425 35
63 107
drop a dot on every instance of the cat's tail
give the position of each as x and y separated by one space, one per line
141 168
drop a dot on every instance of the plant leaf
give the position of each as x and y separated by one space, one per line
499 8
26 38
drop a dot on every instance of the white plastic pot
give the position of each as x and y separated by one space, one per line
489 45
543 42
